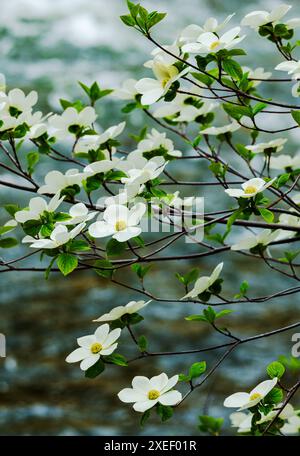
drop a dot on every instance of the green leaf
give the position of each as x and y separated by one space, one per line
6 229
236 112
7 243
258 107
203 78
282 180
267 215
142 344
183 378
224 312
274 397
115 248
128 20
79 246
95 370
165 412
197 369
12 209
196 318
296 116
145 417
275 369
66 263
140 270
117 359
107 270
233 69
210 424
32 160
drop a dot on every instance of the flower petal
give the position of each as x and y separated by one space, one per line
170 398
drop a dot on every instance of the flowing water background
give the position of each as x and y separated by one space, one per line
49 45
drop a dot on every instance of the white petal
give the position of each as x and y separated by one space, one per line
86 341
170 398
130 395
170 384
88 362
145 405
101 333
100 229
159 381
264 387
112 337
141 383
78 355
136 213
236 400
128 233
115 212
109 350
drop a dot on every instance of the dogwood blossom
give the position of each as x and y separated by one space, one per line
93 142
168 58
257 73
127 91
37 206
93 346
244 401
259 18
119 222
208 42
56 181
250 188
17 102
192 31
289 220
184 108
251 240
156 141
118 312
59 236
276 144
101 166
291 67
140 170
79 213
230 128
285 161
71 121
292 426
205 282
146 393
153 89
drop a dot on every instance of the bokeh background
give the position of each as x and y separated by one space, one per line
49 45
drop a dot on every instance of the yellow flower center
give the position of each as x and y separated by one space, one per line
214 44
153 394
96 348
255 396
250 189
120 225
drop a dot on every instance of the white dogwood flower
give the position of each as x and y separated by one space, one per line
156 140
191 32
101 166
285 161
244 401
59 236
203 283
164 57
251 240
289 220
257 73
70 121
93 346
17 102
37 206
56 181
139 170
258 18
250 188
119 222
182 110
276 144
153 89
209 42
292 426
291 67
242 421
93 142
79 213
146 393
127 91
118 312
230 128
